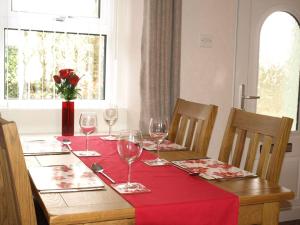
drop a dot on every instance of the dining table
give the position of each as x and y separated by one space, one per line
251 200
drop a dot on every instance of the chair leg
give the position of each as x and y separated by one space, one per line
40 217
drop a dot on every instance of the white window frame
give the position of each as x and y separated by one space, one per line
34 21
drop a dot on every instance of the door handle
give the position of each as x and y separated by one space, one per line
251 97
243 97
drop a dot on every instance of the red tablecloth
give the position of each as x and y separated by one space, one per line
175 197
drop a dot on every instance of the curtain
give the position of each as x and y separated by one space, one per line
160 59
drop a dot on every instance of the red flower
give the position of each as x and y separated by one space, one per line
65 73
73 80
66 83
57 79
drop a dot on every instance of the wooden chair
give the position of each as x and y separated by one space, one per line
192 124
16 204
272 132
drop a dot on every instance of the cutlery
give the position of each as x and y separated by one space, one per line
67 142
40 140
71 190
99 169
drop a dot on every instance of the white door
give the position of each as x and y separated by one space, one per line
268 64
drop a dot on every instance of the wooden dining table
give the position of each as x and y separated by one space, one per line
259 199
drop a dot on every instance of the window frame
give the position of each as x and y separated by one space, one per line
55 4
105 25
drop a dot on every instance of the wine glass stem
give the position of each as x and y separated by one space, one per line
158 148
129 174
86 142
109 130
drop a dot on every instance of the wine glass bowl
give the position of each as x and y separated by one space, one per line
157 135
110 116
88 130
130 147
88 124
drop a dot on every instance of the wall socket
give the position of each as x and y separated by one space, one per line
206 41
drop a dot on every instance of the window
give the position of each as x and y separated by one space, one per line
40 38
279 67
33 57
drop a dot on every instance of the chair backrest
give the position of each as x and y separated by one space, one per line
192 124
268 137
16 203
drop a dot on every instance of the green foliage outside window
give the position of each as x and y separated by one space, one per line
33 57
12 82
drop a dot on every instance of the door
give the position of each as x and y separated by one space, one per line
268 64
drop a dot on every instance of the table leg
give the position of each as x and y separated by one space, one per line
270 213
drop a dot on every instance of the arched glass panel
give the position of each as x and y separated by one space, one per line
279 66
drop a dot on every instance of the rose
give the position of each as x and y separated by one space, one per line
66 83
73 79
65 73
57 79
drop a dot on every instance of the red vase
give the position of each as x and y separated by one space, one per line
67 122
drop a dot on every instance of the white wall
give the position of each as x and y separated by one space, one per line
207 73
129 44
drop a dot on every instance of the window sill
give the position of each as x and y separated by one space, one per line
50 104
48 121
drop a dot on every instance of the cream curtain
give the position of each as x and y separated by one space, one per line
160 69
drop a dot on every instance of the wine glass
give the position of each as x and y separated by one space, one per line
158 130
130 146
110 116
88 124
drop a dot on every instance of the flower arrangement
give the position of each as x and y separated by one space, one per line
66 83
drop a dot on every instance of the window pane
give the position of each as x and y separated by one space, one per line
81 8
279 66
33 57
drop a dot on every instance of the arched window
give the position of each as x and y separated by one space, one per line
279 67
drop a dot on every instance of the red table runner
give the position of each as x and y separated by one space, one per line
175 197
